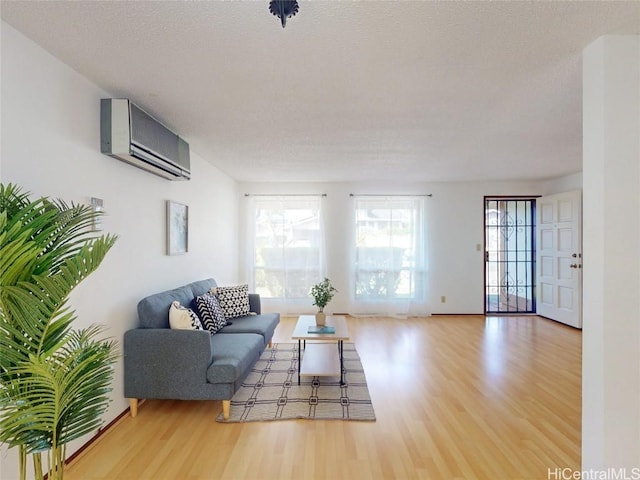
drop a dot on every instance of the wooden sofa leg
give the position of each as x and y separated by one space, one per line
270 344
226 407
133 406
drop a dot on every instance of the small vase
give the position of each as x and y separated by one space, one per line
320 319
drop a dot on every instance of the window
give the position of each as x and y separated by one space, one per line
288 249
389 249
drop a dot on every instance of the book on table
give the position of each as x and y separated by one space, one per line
321 329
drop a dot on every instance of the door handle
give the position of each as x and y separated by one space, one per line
575 265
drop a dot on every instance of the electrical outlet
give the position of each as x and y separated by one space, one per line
443 299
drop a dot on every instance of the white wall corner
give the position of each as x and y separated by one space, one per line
611 185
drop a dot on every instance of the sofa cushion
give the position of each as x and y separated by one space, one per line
183 318
233 300
264 325
153 310
210 312
233 355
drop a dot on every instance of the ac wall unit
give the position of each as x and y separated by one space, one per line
130 134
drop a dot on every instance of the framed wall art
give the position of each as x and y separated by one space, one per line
177 228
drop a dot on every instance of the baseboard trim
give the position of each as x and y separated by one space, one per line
96 437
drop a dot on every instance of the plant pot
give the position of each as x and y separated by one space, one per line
321 319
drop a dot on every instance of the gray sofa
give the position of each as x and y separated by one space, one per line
191 364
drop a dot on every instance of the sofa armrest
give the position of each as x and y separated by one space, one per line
254 303
165 363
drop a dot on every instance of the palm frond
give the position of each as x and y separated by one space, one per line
54 381
61 394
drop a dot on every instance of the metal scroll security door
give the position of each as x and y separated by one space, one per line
510 255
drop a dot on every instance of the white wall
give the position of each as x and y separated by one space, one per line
51 146
562 184
455 227
611 322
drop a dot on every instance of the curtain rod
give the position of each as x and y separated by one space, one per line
285 194
390 195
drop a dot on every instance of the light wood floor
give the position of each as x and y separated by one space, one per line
455 397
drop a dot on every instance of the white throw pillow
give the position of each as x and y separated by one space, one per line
183 318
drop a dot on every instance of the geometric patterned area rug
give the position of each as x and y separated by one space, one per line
271 390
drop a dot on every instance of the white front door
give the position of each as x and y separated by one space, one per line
559 257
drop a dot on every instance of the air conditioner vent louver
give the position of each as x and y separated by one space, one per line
130 134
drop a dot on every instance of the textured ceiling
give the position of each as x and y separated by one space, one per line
348 91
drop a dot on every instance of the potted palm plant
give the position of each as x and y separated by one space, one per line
54 380
322 294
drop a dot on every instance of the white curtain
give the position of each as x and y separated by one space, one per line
286 241
389 275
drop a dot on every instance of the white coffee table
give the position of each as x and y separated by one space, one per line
319 355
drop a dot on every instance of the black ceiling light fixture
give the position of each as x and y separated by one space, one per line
283 9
